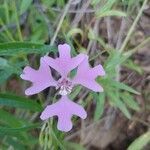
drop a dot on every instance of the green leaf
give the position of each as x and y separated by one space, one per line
131 65
19 136
107 6
2 12
140 142
60 3
100 101
4 75
123 87
92 35
113 60
24 5
15 143
112 13
3 63
9 119
114 98
9 68
95 2
75 31
58 141
19 102
19 129
75 92
128 100
15 48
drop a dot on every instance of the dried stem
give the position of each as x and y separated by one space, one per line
60 22
78 17
133 27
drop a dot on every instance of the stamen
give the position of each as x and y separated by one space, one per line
65 86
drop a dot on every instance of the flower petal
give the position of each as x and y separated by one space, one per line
64 123
64 63
64 115
86 76
41 78
50 111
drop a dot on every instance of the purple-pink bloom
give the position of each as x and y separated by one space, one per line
64 109
64 64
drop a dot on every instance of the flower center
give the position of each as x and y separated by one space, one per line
65 86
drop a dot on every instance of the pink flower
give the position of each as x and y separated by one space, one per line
64 64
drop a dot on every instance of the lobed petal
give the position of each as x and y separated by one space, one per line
41 78
64 63
86 76
50 111
64 123
64 109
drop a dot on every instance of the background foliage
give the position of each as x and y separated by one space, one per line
111 33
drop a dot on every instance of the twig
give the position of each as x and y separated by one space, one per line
76 11
133 27
60 22
109 31
95 30
139 46
58 9
78 17
120 36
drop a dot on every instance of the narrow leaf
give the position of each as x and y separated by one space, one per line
128 99
75 92
124 87
15 143
114 98
100 101
14 48
131 65
112 13
19 129
9 119
75 31
140 142
19 102
24 5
